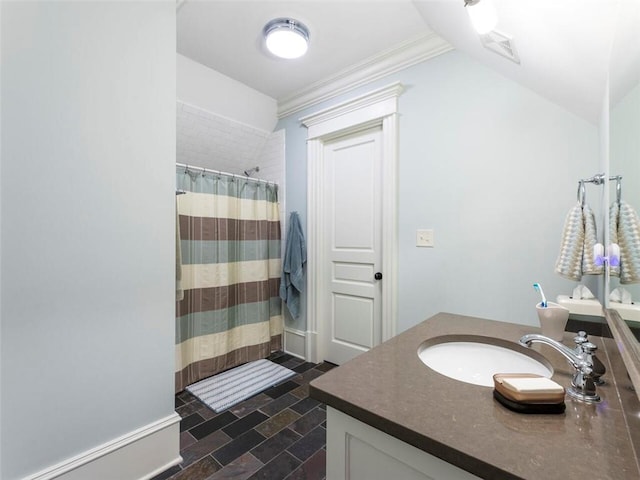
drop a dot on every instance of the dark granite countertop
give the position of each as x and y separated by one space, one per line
390 389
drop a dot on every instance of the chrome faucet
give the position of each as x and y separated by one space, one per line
582 386
598 367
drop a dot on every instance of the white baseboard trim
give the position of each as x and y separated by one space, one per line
312 347
294 342
138 455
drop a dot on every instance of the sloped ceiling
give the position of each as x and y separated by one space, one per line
564 45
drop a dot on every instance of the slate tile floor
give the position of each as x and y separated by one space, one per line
275 435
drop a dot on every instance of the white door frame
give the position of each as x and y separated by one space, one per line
376 108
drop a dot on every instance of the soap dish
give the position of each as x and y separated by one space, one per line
528 393
549 408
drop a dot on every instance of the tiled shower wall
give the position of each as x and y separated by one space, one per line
271 161
207 140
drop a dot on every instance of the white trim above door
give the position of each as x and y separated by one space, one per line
376 108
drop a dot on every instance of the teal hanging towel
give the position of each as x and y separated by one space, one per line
295 256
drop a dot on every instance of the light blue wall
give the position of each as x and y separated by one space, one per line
88 226
492 167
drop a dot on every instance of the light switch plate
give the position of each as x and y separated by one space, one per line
424 238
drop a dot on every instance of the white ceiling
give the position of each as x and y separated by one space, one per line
564 45
227 36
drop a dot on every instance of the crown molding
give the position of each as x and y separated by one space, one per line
404 55
374 105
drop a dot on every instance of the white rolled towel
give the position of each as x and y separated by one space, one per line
621 295
581 292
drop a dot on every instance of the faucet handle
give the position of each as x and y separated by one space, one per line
589 351
588 347
580 338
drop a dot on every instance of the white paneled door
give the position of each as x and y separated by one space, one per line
353 229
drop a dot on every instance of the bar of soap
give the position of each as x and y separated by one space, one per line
532 385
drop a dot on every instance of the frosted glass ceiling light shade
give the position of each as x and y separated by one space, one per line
483 15
286 38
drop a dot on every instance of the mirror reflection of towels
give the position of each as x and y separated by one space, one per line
624 228
621 295
590 239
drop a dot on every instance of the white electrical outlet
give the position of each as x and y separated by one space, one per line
424 238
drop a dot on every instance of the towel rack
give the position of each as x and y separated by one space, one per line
599 179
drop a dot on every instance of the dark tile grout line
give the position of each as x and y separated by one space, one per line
308 419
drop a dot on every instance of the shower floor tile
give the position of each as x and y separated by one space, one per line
277 434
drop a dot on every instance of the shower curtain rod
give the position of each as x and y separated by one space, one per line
219 172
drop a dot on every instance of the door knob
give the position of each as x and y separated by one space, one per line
378 276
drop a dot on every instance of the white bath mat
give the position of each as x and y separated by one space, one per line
228 388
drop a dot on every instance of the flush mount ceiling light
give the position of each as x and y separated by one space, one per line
483 15
286 38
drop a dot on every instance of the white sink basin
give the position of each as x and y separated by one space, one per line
475 359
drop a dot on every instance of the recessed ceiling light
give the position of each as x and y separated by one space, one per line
286 38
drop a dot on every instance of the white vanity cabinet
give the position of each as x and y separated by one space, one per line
357 451
390 417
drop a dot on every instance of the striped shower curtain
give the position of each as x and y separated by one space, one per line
230 314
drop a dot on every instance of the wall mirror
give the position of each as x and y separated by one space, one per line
624 150
624 160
